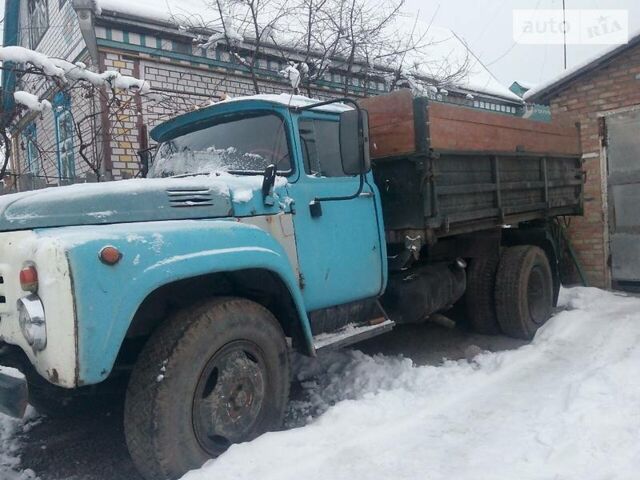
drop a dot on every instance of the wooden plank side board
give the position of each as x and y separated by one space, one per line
458 128
391 124
393 131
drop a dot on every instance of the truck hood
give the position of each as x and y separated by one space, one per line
137 200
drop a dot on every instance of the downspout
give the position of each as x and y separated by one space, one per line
11 29
86 11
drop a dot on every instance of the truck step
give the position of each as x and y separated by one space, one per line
352 333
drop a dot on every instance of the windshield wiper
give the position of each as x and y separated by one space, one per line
183 175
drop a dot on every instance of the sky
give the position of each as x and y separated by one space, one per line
487 27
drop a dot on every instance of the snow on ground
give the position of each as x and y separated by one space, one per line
563 407
10 428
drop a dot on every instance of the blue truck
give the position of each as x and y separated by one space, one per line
268 224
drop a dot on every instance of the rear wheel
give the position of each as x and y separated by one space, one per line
213 375
524 291
480 295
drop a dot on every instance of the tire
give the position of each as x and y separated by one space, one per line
222 348
480 295
524 291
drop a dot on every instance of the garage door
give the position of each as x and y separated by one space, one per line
623 152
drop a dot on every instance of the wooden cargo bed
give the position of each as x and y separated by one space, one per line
450 169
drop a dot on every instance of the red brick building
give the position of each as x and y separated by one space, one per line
603 95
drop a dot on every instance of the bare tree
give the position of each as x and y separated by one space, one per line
243 28
102 104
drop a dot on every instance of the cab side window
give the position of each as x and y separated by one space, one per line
320 140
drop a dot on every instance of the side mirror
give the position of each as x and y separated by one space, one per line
354 142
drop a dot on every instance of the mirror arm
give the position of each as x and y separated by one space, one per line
143 154
268 182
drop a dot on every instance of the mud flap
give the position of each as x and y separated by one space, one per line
13 395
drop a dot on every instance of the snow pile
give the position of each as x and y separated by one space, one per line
24 55
565 406
9 444
289 100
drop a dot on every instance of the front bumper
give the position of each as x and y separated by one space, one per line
14 395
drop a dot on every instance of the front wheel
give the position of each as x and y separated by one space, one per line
213 375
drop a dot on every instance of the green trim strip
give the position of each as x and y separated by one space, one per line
198 60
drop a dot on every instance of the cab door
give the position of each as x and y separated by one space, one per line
340 243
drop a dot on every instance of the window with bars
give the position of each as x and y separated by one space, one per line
38 20
64 136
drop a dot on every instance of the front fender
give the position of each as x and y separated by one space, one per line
155 254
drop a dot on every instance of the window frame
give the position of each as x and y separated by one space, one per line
230 117
29 135
36 34
318 117
62 113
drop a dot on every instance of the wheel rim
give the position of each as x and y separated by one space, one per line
537 296
229 396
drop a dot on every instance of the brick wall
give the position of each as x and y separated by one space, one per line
592 96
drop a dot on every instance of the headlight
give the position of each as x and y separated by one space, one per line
32 322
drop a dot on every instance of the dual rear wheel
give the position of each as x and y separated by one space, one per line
512 293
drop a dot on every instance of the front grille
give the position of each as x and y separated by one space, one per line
4 268
190 198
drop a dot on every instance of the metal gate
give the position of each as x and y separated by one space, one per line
623 158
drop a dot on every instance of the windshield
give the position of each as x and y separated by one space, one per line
241 145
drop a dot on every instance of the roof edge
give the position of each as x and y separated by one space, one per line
544 92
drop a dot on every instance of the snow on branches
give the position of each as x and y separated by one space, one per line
31 102
67 72
294 73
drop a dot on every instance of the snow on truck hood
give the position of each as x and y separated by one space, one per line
136 200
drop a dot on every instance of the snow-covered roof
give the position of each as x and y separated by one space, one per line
445 51
542 92
158 10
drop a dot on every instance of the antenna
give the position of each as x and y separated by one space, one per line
564 31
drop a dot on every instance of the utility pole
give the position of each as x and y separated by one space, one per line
564 31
